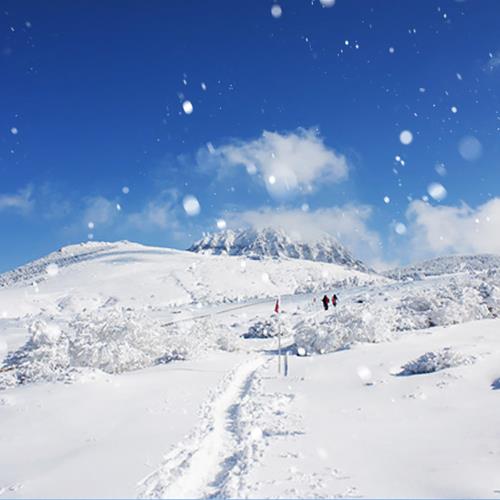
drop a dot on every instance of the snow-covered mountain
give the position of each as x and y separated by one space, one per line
90 275
446 265
275 243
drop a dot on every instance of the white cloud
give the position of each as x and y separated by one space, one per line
348 224
100 211
22 201
160 213
439 230
287 163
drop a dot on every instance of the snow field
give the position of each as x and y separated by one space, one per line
382 313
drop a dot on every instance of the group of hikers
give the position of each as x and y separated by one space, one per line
326 301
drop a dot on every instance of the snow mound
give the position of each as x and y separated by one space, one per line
431 362
276 243
114 341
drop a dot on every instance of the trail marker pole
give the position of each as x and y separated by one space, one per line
286 363
277 309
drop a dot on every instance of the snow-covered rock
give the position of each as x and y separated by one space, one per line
276 243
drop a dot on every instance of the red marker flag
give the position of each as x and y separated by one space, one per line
277 306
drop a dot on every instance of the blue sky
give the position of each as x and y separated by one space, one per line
314 100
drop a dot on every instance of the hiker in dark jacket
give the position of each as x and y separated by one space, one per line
325 301
334 300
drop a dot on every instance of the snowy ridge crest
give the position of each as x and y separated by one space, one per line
276 243
451 264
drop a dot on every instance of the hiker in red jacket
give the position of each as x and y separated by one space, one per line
325 301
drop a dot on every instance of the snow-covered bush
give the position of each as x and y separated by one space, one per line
373 317
434 361
341 330
263 329
114 341
269 327
45 356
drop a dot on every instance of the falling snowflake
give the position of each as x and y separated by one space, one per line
454 109
392 50
118 207
271 179
52 269
305 207
256 434
203 86
91 225
14 131
470 148
187 106
387 199
406 137
221 224
437 191
327 3
125 190
400 228
251 169
440 169
191 205
276 11
364 373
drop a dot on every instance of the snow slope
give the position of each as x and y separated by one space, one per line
446 265
276 243
91 275
171 385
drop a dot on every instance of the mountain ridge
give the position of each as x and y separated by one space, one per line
276 243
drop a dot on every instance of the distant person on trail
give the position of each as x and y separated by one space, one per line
334 300
325 301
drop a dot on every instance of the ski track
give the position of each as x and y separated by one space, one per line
210 460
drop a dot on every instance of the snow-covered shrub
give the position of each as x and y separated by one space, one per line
269 327
115 341
414 313
263 329
434 361
45 356
340 330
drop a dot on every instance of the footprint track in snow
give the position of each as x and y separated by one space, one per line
210 458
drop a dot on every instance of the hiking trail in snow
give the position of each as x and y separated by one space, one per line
216 452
